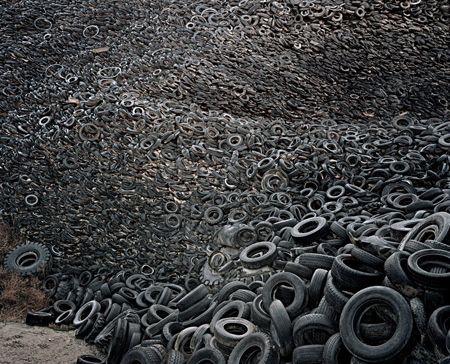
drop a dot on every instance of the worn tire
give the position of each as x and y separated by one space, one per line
29 259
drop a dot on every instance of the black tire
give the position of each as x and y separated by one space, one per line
419 314
116 348
316 287
310 230
142 355
169 330
421 264
439 326
195 309
113 312
257 347
352 313
29 259
207 356
300 299
351 275
175 357
313 329
228 289
396 268
299 270
334 296
202 318
258 255
324 308
237 309
89 359
87 311
99 324
84 329
244 295
315 261
197 339
308 354
334 351
229 331
367 258
281 328
61 306
65 318
39 318
259 315
191 298
434 227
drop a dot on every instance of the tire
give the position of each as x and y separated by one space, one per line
195 309
89 359
251 259
82 331
334 351
99 324
198 336
310 230
434 227
116 348
229 331
318 326
324 308
29 259
334 296
349 274
113 312
228 289
65 318
39 318
420 317
191 298
396 345
439 326
239 309
439 279
257 347
315 261
259 316
184 337
316 287
396 268
300 299
281 328
63 305
87 311
299 270
367 258
175 357
141 355
203 317
308 354
169 330
207 356
244 295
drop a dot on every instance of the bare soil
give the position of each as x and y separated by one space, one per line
22 344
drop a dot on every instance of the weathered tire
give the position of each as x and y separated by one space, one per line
257 347
352 313
29 259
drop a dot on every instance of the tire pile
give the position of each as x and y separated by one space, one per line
232 182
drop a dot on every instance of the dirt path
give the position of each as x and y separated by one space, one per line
22 344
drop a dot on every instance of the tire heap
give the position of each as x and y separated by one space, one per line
223 181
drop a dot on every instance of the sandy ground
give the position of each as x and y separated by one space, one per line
20 344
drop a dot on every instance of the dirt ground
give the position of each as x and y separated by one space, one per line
22 344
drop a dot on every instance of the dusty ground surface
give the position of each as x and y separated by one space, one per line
22 344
